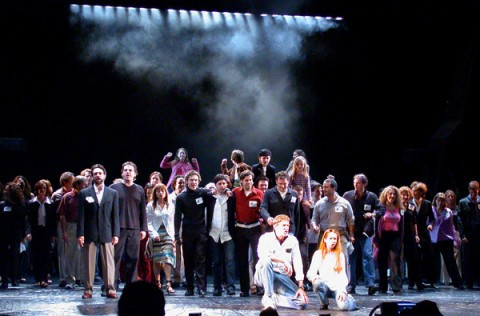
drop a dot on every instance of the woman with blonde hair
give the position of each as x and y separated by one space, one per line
160 215
388 238
328 273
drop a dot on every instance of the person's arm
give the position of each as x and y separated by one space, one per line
81 219
178 218
115 218
63 221
195 165
316 217
143 215
223 166
312 273
264 206
151 230
165 164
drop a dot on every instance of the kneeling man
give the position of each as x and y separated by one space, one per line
278 259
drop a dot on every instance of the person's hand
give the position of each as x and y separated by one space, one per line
143 234
465 240
114 240
29 237
289 269
65 236
352 239
179 242
224 161
429 228
169 154
417 239
342 297
316 229
194 160
270 221
81 241
367 215
301 293
156 238
228 192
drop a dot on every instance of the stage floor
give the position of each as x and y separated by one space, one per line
29 300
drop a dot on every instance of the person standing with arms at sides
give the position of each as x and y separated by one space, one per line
363 203
68 221
180 164
161 229
178 185
133 222
328 273
264 168
469 214
333 211
190 212
246 202
98 226
239 166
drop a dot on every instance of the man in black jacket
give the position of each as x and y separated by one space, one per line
264 168
190 211
98 225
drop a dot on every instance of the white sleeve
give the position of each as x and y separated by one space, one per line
150 213
312 272
297 261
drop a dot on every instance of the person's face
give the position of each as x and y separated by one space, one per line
154 180
88 175
68 185
358 185
247 183
331 240
98 176
300 195
128 173
391 196
441 202
264 160
299 165
405 197
295 155
182 155
180 184
418 194
161 194
263 185
318 191
328 190
282 229
473 190
450 199
20 183
192 182
42 192
282 184
221 186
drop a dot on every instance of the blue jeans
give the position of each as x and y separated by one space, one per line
363 246
279 284
223 253
323 292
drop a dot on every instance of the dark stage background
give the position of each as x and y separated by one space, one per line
391 91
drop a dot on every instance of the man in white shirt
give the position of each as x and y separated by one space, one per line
221 227
278 259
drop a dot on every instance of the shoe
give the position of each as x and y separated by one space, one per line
230 291
112 295
308 287
70 286
351 290
268 302
86 295
15 283
43 284
324 307
4 286
459 287
432 286
217 292
372 290
244 294
260 291
169 288
201 293
253 290
189 292
62 283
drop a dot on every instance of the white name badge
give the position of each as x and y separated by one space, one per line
89 199
199 201
7 209
338 209
367 207
411 207
252 203
294 199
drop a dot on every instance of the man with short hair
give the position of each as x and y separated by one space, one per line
264 168
67 212
98 226
245 203
66 181
262 183
333 211
279 259
469 213
221 229
190 212
133 222
364 203
178 186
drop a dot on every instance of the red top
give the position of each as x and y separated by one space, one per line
68 207
247 208
391 220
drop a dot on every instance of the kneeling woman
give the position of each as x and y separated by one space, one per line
327 273
160 227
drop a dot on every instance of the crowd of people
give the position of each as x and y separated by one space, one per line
280 232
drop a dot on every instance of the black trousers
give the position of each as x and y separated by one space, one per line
412 256
471 257
9 257
427 261
194 251
445 247
128 248
390 246
246 237
41 244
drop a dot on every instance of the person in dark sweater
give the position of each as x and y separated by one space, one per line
264 168
133 222
190 213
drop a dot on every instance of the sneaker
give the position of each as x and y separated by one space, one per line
70 286
268 302
372 290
